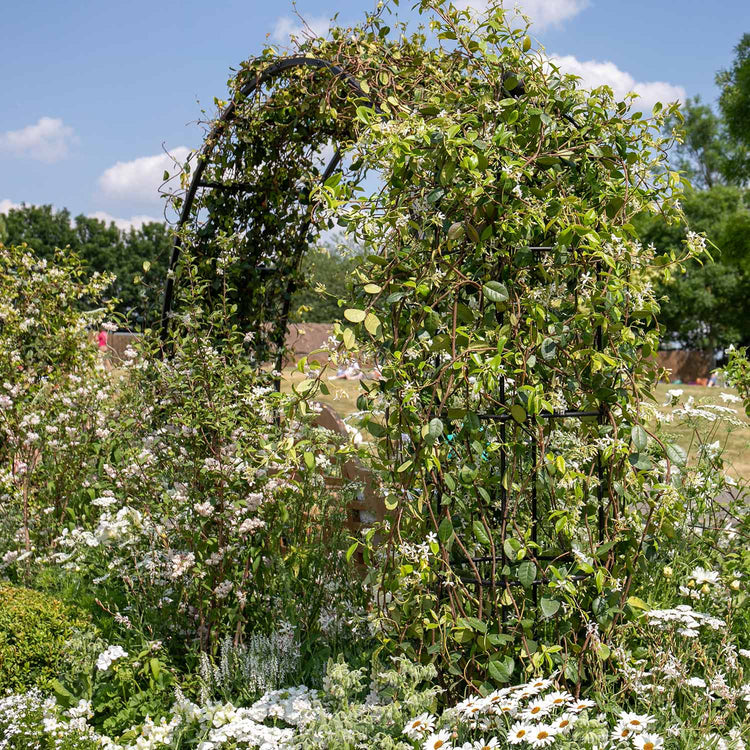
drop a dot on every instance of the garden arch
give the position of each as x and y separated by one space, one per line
480 467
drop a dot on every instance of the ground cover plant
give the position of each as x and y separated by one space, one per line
199 519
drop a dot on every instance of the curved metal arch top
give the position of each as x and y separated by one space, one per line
227 116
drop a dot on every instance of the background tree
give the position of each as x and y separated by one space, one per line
707 305
735 103
705 154
326 267
138 258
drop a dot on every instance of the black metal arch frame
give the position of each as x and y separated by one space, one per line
197 182
273 70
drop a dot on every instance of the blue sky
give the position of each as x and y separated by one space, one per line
93 91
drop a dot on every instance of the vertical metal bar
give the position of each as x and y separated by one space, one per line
599 345
534 509
503 499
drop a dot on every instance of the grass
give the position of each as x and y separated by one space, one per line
343 393
736 442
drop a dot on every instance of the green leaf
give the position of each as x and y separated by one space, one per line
375 429
456 231
354 315
526 44
480 533
404 466
518 413
640 461
445 530
549 607
348 337
474 624
155 665
638 603
676 454
364 114
639 437
435 428
373 288
146 266
472 232
495 291
502 671
372 323
511 547
309 460
548 348
603 549
527 574
352 549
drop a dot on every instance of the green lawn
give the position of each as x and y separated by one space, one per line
343 393
736 442
343 397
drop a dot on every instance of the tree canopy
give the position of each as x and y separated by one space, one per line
706 304
735 95
137 257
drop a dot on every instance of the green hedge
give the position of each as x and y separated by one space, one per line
33 631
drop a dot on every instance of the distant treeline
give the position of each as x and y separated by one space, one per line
104 248
139 259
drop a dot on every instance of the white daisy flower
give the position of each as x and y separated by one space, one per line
519 732
701 576
422 724
439 741
647 741
621 732
565 722
536 709
542 736
581 705
559 698
637 722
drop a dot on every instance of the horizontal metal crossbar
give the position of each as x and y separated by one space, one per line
506 581
544 415
547 558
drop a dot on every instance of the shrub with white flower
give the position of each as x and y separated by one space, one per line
55 394
217 516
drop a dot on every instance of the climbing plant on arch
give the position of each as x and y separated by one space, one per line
504 294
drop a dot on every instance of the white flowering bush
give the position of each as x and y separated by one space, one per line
54 396
212 512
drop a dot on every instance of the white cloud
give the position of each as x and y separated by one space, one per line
286 26
7 205
141 178
543 13
134 222
595 73
49 139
